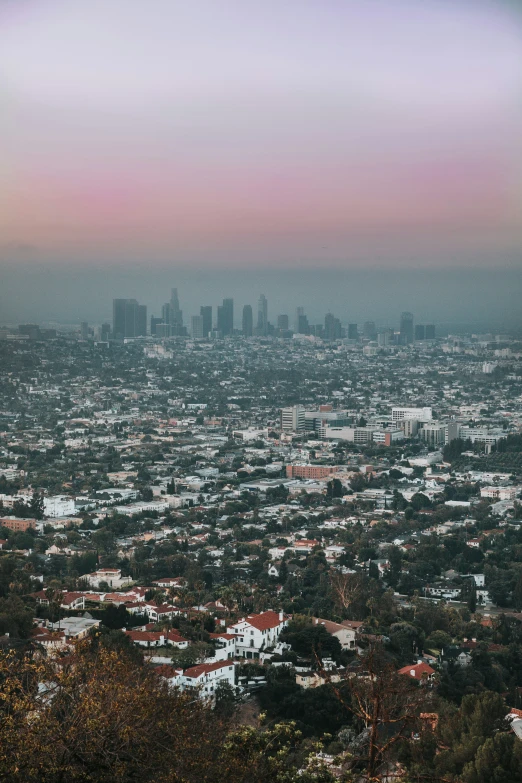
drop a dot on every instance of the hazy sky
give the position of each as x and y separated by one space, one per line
233 147
267 133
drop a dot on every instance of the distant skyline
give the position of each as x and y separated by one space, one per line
241 134
490 298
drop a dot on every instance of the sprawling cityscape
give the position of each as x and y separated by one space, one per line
260 391
268 516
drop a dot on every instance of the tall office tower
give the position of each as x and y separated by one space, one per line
105 332
226 316
332 327
262 315
129 319
162 330
154 325
299 313
118 318
353 333
282 323
84 330
293 418
303 327
430 332
220 320
385 338
197 326
248 321
141 321
176 315
369 330
206 314
165 317
406 329
420 332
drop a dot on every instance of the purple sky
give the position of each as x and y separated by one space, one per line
274 132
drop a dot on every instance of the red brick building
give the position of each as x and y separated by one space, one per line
12 523
311 471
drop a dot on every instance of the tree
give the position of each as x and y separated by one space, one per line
36 505
473 745
191 655
498 760
146 494
387 706
394 572
358 482
105 719
283 572
115 617
517 593
334 489
225 700
311 641
346 590
472 597
15 618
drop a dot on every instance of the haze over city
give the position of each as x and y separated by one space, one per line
241 147
261 391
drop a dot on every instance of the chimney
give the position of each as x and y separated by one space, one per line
281 617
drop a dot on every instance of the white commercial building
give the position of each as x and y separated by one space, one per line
482 435
419 414
110 576
293 418
59 506
500 493
433 433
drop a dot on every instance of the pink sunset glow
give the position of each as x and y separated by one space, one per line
292 132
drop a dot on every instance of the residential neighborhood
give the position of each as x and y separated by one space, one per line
254 520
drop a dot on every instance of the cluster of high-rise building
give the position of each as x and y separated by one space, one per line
130 321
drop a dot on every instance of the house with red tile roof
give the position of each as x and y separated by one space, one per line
171 581
109 576
150 639
207 676
158 612
419 672
225 645
257 632
342 632
68 600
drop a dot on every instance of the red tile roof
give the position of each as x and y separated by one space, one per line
418 671
265 620
145 636
175 637
222 636
205 668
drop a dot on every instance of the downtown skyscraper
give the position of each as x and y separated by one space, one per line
225 317
262 316
248 325
129 319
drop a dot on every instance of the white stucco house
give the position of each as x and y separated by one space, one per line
257 632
